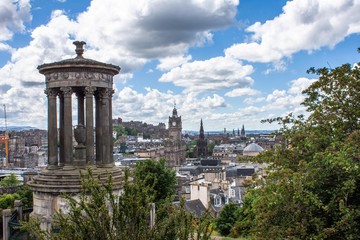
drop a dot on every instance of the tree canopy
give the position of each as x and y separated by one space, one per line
157 177
99 213
312 188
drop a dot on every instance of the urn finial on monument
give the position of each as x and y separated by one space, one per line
79 48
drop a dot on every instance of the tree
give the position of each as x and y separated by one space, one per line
7 200
10 181
157 177
128 219
312 189
226 219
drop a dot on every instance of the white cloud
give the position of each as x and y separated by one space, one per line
126 33
129 33
303 25
210 75
300 84
291 99
154 106
242 92
254 100
168 63
13 15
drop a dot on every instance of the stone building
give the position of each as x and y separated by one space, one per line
175 148
92 83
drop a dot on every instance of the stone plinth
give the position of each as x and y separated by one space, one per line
50 185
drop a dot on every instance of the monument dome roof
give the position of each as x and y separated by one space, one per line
78 61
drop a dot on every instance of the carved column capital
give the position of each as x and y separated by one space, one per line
67 91
50 92
90 90
104 93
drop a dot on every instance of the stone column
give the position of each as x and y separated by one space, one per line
61 130
52 129
111 126
80 96
98 128
6 213
106 138
68 144
89 92
18 205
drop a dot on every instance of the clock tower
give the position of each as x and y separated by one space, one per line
174 146
175 126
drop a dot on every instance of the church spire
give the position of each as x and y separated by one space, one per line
243 131
201 135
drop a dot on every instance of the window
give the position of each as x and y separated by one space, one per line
217 201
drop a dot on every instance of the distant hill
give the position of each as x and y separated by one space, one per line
17 128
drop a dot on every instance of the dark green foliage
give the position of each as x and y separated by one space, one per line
312 190
157 177
19 192
124 131
129 216
226 218
10 181
7 200
26 196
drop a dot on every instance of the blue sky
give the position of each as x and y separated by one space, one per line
228 62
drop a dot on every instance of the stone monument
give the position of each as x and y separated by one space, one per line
91 81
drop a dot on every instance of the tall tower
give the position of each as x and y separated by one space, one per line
242 133
201 143
175 148
91 81
175 126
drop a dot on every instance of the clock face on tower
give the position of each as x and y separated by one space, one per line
174 123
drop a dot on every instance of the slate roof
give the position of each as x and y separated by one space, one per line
195 206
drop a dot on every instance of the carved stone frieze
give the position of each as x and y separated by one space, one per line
78 75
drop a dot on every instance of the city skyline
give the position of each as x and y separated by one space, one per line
227 62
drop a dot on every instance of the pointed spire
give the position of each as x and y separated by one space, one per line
243 130
201 135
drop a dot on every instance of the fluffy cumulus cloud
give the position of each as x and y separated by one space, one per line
154 106
290 99
210 75
303 25
242 92
126 33
129 33
168 63
13 15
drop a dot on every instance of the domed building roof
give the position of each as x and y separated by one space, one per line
253 147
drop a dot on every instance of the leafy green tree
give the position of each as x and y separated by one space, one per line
120 131
26 196
312 189
10 181
155 175
191 149
89 216
226 218
7 200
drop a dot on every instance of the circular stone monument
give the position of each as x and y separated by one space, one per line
91 81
